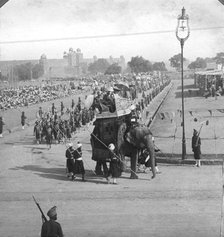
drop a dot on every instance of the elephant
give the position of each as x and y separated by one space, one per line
131 140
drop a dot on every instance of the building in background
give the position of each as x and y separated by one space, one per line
72 64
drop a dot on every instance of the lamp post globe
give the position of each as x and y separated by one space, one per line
182 34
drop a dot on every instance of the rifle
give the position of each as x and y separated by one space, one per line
44 219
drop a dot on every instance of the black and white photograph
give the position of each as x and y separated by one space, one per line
111 118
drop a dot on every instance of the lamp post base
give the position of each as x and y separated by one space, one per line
183 150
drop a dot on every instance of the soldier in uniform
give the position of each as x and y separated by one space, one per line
196 147
79 166
62 108
53 108
70 161
40 112
114 170
23 119
73 104
51 228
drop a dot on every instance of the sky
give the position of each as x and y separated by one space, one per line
30 20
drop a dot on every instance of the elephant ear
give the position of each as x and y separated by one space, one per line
136 136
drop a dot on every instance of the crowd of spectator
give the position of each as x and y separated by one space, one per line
30 94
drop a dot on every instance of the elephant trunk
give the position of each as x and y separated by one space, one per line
151 150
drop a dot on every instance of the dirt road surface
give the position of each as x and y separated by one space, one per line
181 201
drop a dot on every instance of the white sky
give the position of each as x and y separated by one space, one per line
44 19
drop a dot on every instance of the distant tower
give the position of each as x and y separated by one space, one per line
79 60
71 58
44 63
79 57
94 58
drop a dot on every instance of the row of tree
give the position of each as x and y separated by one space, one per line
136 65
175 61
24 72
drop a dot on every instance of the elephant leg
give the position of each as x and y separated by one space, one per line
150 148
134 158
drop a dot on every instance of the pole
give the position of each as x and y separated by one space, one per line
182 87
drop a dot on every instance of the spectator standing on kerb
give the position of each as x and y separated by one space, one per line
196 147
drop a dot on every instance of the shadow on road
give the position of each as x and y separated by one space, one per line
50 173
60 174
191 86
26 140
188 93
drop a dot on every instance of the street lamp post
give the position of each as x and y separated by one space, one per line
182 34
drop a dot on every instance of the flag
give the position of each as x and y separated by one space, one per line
167 115
162 116
191 113
210 111
173 114
221 110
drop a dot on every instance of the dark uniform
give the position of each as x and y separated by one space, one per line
1 126
73 103
62 108
23 119
196 147
70 160
52 108
79 166
115 166
51 228
40 112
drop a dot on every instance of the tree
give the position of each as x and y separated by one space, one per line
113 69
139 64
220 58
159 66
23 71
100 65
198 63
175 61
37 71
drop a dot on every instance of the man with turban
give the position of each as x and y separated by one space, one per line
51 227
